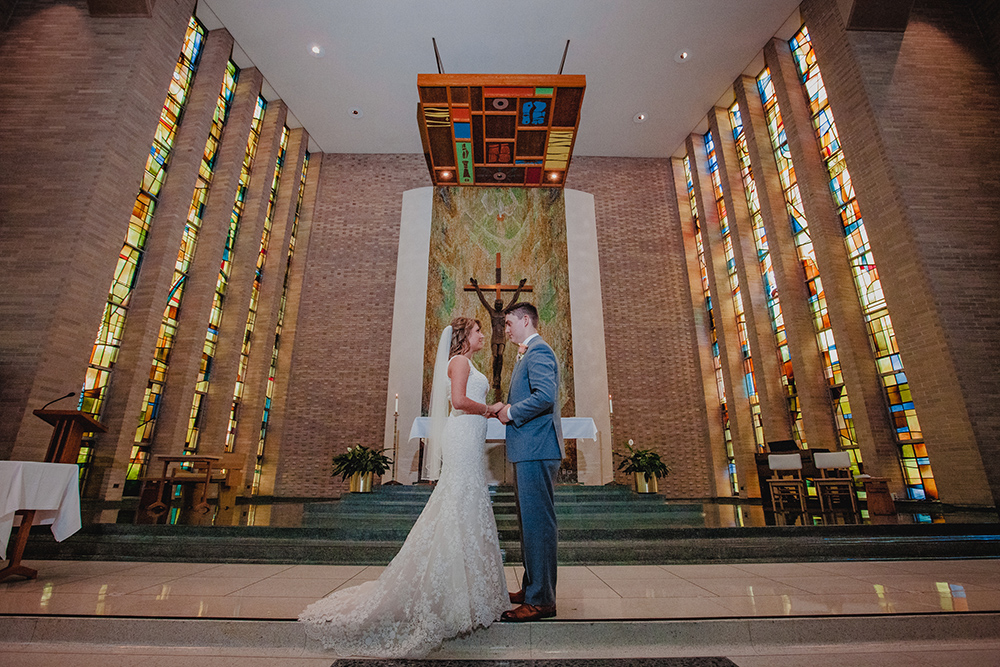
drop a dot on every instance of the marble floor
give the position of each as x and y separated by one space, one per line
614 600
231 590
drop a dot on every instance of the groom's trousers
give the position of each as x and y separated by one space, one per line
534 493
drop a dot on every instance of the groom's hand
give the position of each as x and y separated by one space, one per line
503 416
494 409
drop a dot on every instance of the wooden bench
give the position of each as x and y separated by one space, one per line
196 473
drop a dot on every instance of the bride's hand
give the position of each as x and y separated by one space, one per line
493 410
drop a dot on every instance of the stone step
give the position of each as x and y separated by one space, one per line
570 528
500 508
761 640
588 546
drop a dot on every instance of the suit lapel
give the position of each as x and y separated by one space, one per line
517 365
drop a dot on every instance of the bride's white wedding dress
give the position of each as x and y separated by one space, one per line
448 577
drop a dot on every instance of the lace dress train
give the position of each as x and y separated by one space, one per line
448 577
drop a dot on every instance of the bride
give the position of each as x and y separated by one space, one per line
448 577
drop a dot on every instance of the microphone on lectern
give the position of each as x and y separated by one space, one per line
72 393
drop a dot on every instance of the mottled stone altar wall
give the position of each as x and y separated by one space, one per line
527 226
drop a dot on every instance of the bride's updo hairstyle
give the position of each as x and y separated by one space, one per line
461 329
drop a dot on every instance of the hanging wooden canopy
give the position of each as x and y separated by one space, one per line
499 129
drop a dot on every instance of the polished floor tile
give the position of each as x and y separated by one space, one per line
344 572
659 588
747 586
704 571
172 590
197 585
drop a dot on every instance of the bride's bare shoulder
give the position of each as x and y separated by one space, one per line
459 363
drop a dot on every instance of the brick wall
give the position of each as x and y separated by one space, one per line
79 98
653 371
340 363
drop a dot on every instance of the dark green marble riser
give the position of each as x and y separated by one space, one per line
597 546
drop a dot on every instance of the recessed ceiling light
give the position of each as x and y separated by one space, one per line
356 112
640 117
317 51
682 56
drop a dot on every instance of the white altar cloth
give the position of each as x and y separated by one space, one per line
52 489
573 428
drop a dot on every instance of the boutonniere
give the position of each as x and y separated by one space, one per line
521 349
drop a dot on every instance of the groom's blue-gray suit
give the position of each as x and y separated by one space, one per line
534 446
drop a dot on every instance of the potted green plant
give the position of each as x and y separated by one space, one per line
646 465
361 465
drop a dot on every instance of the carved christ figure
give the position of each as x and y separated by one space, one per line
498 340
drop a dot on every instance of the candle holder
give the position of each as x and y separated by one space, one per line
395 444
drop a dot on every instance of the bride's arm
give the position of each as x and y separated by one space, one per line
458 371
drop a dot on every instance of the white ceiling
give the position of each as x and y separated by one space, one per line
374 50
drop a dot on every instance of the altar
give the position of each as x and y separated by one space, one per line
42 494
499 471
430 291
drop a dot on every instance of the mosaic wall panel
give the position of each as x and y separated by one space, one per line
527 226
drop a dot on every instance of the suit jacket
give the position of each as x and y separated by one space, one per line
535 434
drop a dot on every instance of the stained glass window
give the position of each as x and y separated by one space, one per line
713 333
749 380
265 240
767 275
916 466
807 257
185 255
222 281
109 334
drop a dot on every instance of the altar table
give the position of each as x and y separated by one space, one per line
44 494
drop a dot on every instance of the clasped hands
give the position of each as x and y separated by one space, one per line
498 410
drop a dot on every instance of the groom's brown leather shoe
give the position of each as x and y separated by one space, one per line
528 612
517 598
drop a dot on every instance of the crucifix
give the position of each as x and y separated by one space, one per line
496 311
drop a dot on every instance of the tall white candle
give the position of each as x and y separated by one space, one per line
396 411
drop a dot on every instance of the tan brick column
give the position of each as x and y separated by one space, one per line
916 112
269 303
131 372
203 274
216 405
278 424
730 350
776 421
807 364
716 443
868 404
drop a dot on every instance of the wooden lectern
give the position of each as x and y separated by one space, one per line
64 447
68 427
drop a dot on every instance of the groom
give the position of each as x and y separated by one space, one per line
534 446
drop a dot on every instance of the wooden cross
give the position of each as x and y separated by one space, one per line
499 286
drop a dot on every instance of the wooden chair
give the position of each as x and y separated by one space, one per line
194 474
835 485
786 484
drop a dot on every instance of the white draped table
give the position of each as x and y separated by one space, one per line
574 428
46 494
